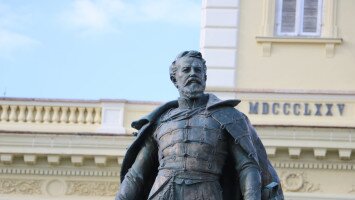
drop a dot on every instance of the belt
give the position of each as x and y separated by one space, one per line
192 175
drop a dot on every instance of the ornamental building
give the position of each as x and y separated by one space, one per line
291 62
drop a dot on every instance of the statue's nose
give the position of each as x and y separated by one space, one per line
193 73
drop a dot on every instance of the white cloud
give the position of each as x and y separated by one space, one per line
101 16
172 11
88 16
12 41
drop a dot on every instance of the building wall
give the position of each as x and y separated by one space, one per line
299 92
237 38
294 64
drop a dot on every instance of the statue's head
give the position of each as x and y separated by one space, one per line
188 73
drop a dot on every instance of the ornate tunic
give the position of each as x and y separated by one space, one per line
192 144
192 149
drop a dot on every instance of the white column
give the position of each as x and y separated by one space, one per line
219 33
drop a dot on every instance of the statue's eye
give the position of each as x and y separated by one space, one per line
186 69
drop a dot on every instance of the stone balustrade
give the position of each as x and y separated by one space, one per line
68 116
50 114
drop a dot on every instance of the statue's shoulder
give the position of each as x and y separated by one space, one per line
236 124
154 115
231 119
224 111
226 115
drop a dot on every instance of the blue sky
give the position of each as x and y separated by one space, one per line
94 49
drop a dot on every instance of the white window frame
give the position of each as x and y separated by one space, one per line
299 20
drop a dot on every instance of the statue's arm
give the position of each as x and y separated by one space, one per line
249 172
132 186
242 150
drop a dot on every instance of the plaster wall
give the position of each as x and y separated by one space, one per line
296 65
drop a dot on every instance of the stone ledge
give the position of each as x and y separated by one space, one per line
329 43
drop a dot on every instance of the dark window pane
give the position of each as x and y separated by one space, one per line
288 19
310 15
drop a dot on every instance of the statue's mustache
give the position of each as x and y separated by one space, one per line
192 80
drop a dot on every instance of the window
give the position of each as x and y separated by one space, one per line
298 17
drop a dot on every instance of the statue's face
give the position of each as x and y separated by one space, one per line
190 77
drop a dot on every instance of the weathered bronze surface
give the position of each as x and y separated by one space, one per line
198 147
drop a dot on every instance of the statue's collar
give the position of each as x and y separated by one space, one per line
186 103
210 100
214 102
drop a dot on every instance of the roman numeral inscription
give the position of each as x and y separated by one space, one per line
297 109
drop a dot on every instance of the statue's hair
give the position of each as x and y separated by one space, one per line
185 54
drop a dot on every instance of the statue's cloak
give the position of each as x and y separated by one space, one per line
229 179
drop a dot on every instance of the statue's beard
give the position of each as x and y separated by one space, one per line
192 91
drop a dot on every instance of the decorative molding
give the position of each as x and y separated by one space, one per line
6 158
329 43
294 152
56 187
314 165
56 147
320 153
30 159
329 50
100 161
86 188
303 40
330 27
18 186
53 159
60 172
297 182
266 49
345 154
268 18
77 160
271 151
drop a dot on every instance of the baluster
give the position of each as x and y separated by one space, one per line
64 115
72 118
89 116
38 117
55 117
22 114
12 117
47 114
4 115
81 118
97 117
30 113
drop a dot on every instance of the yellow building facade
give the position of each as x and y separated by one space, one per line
291 62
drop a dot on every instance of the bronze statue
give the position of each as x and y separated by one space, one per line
198 147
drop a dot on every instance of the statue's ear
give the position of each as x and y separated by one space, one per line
205 77
173 79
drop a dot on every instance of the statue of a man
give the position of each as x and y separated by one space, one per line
198 147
